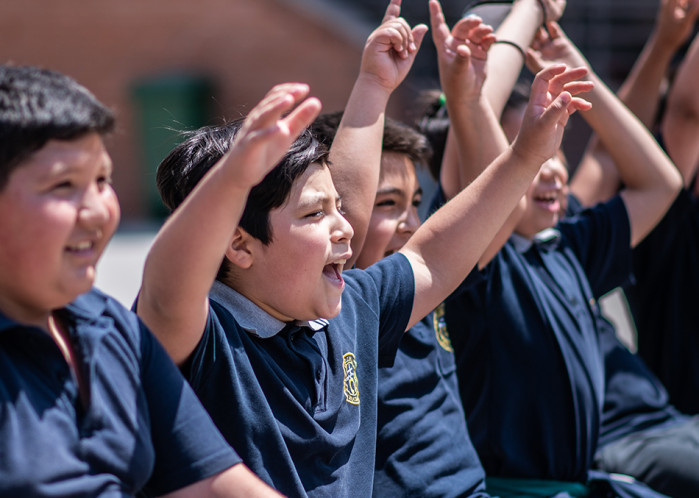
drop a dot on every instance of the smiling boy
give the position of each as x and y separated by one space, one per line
90 404
284 348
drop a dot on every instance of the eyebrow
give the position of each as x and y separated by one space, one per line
316 199
390 190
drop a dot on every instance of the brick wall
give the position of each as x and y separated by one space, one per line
244 46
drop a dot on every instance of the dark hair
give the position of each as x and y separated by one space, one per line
38 105
397 137
434 124
187 163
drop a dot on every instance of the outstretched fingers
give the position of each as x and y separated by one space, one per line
392 11
278 101
302 116
558 82
440 30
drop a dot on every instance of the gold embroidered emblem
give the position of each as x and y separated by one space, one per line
351 384
440 328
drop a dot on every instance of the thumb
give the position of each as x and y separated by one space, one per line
419 33
557 112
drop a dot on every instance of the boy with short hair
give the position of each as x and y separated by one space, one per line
284 350
90 403
422 447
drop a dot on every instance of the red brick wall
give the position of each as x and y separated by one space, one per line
246 46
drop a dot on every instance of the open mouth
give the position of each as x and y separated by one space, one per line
333 271
81 248
548 201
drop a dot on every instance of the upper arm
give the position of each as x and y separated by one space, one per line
596 178
178 333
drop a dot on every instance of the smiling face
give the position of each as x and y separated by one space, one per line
545 197
298 276
394 218
58 212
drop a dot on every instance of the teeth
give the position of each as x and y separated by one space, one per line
340 261
82 246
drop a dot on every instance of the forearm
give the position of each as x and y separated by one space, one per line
236 482
680 125
504 61
445 249
477 137
355 155
641 89
651 179
641 162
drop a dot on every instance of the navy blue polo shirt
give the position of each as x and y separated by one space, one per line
634 400
143 423
664 300
528 356
423 446
298 400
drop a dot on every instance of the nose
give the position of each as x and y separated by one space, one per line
342 231
94 211
550 172
410 222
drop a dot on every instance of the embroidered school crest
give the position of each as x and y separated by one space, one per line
351 384
440 328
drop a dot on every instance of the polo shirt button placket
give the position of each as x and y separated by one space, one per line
318 375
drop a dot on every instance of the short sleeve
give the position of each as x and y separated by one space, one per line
600 237
188 446
395 284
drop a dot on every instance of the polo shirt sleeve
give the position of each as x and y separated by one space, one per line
395 288
187 444
658 246
600 238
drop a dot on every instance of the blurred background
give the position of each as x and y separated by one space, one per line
170 65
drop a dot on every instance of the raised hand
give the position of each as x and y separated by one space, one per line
266 135
554 10
675 22
554 49
461 52
551 103
390 50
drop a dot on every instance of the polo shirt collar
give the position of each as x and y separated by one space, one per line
546 239
253 319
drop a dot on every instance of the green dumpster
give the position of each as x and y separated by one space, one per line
166 106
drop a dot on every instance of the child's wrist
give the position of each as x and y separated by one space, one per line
370 82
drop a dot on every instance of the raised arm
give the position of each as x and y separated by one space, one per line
505 61
444 249
187 252
355 154
476 131
680 125
597 178
651 180
641 89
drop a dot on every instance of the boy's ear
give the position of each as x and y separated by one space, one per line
239 251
